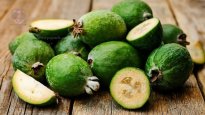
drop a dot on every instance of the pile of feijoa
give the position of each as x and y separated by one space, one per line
125 50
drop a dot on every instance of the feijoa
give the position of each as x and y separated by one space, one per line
169 66
173 34
51 29
20 39
70 75
31 57
108 57
133 12
100 26
32 91
147 35
130 88
72 45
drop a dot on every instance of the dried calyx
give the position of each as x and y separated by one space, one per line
36 67
34 30
92 85
155 74
182 39
77 28
147 16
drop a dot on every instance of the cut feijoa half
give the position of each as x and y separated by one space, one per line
147 35
130 88
51 29
32 91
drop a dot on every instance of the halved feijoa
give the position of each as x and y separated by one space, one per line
51 29
130 88
147 35
32 91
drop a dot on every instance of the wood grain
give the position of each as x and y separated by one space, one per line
5 7
12 25
187 100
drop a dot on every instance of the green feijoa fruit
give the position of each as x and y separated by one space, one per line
130 88
31 57
70 75
19 39
72 45
169 66
100 26
147 35
32 91
107 58
173 34
51 29
133 12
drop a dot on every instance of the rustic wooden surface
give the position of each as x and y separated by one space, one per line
15 16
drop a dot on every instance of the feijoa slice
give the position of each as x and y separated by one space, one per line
51 29
130 88
32 91
147 35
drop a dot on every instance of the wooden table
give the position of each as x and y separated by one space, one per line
15 16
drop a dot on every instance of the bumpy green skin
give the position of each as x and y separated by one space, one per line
71 45
149 41
107 58
30 52
171 33
67 74
175 64
101 26
20 39
133 12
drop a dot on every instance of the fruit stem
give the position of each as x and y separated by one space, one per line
182 39
92 85
34 30
155 74
77 28
36 67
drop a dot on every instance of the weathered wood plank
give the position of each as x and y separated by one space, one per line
187 100
5 6
12 25
194 15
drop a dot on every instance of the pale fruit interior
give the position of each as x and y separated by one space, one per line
30 90
52 24
142 29
130 88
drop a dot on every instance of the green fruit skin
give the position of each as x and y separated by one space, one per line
175 64
67 74
127 69
71 45
30 52
20 39
97 31
132 11
107 58
149 41
52 35
171 33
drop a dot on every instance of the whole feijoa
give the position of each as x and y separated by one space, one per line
31 57
133 12
20 39
169 66
69 44
70 75
107 58
100 26
173 34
